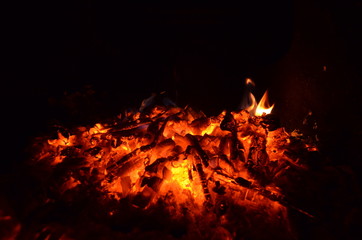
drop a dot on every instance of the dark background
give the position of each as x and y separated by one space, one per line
83 61
79 62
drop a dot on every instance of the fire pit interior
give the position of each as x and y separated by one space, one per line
141 121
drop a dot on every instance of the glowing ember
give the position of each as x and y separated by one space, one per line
194 166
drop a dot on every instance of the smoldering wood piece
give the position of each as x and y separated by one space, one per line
199 124
252 156
243 182
69 151
202 154
126 184
130 125
298 157
128 157
219 189
158 162
128 132
190 174
127 125
263 158
276 197
260 174
270 122
295 164
166 143
142 199
237 148
153 182
143 120
62 130
93 151
154 166
278 168
129 166
257 151
198 166
291 155
147 147
154 126
72 162
204 182
225 158
223 151
281 199
138 150
159 132
123 160
191 112
223 145
228 123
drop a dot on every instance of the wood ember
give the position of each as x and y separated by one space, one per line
177 164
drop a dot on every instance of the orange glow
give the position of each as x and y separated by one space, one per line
135 158
179 157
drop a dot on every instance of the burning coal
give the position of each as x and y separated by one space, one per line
170 173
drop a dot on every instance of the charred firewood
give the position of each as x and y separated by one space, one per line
202 154
204 182
224 158
200 170
153 182
259 173
218 188
228 123
69 151
236 147
154 166
145 148
93 151
129 132
270 122
142 199
264 192
124 159
199 124
257 151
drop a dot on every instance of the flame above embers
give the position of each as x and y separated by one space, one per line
251 105
263 106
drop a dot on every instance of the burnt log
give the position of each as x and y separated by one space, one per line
200 152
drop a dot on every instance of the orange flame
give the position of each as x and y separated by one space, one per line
263 106
258 109
252 106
